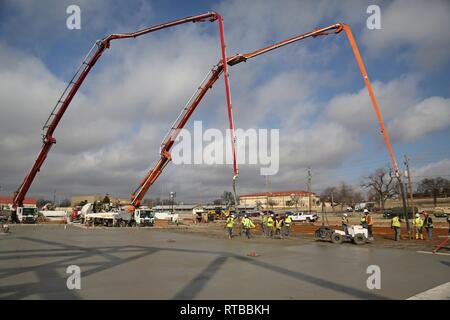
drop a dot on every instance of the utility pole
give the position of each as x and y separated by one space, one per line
309 189
332 202
410 184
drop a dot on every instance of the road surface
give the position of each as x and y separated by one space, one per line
133 263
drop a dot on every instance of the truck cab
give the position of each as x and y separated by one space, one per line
27 215
144 217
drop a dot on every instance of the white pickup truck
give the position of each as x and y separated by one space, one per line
302 216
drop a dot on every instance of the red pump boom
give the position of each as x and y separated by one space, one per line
212 77
81 73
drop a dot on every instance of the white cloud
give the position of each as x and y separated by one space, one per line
430 115
432 170
418 28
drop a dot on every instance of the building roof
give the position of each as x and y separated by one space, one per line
9 200
276 194
176 207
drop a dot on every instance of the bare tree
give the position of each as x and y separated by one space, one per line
271 203
295 199
434 187
227 198
382 185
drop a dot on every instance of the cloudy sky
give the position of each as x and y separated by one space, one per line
311 90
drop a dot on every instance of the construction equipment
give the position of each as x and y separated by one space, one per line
72 88
214 75
356 234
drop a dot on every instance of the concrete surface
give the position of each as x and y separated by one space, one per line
133 263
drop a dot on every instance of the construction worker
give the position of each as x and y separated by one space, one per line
229 226
362 221
248 225
278 226
418 224
395 224
264 224
344 222
270 225
287 225
448 221
428 224
369 223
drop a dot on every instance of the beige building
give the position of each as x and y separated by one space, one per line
289 200
76 200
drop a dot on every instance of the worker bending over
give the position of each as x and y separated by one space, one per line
418 225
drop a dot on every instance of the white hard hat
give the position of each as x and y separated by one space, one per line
345 214
417 215
365 210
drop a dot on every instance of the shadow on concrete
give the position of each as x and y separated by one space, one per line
52 285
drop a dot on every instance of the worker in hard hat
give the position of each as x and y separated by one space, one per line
369 223
395 224
264 224
278 227
362 221
270 225
418 225
229 225
428 224
248 225
344 222
287 225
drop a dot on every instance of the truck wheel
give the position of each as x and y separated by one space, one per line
337 238
359 239
133 224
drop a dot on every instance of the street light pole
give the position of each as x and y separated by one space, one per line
172 196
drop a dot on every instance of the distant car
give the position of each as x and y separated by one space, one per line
302 216
398 211
349 209
440 214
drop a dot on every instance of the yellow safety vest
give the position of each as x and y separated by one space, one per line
278 224
287 221
269 222
395 222
418 222
248 223
230 222
264 220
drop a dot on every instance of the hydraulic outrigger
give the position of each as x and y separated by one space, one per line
89 61
214 75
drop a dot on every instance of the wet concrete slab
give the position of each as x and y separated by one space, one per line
133 263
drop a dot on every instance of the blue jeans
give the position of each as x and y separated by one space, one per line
230 232
430 233
397 233
248 233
